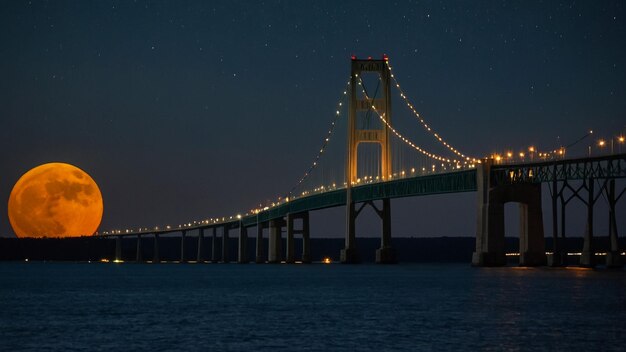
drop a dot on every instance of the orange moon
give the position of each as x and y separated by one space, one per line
55 200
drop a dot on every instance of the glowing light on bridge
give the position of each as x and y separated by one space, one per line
326 139
400 136
420 118
442 164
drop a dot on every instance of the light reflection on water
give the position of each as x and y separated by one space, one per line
61 306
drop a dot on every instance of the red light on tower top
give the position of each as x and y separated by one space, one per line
385 57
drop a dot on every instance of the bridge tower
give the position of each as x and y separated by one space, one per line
356 136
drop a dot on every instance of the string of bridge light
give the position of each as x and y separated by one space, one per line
325 142
256 210
421 119
315 163
399 135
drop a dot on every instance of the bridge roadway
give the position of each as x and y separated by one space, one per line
450 182
608 167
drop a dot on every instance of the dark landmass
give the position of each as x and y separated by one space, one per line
439 249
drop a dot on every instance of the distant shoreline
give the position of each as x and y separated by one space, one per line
408 249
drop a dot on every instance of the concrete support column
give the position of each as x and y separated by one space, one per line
532 240
200 255
242 254
275 239
182 247
587 257
386 254
493 238
225 238
350 254
290 254
214 246
490 221
613 257
138 256
156 258
306 243
118 248
259 244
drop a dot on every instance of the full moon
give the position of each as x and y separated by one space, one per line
55 200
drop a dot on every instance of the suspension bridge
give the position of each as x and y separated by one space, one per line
383 162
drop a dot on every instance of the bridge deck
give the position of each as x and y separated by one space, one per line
608 166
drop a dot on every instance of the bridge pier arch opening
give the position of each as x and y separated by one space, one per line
274 252
304 231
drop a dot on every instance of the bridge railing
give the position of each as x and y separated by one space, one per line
607 166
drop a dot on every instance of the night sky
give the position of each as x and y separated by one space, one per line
186 110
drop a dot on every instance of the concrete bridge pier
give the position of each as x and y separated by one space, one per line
587 256
242 253
200 256
290 257
490 216
214 258
275 241
350 255
306 241
613 257
182 247
385 254
225 238
118 248
490 221
155 253
260 255
138 256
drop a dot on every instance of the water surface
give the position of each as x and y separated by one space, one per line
230 307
